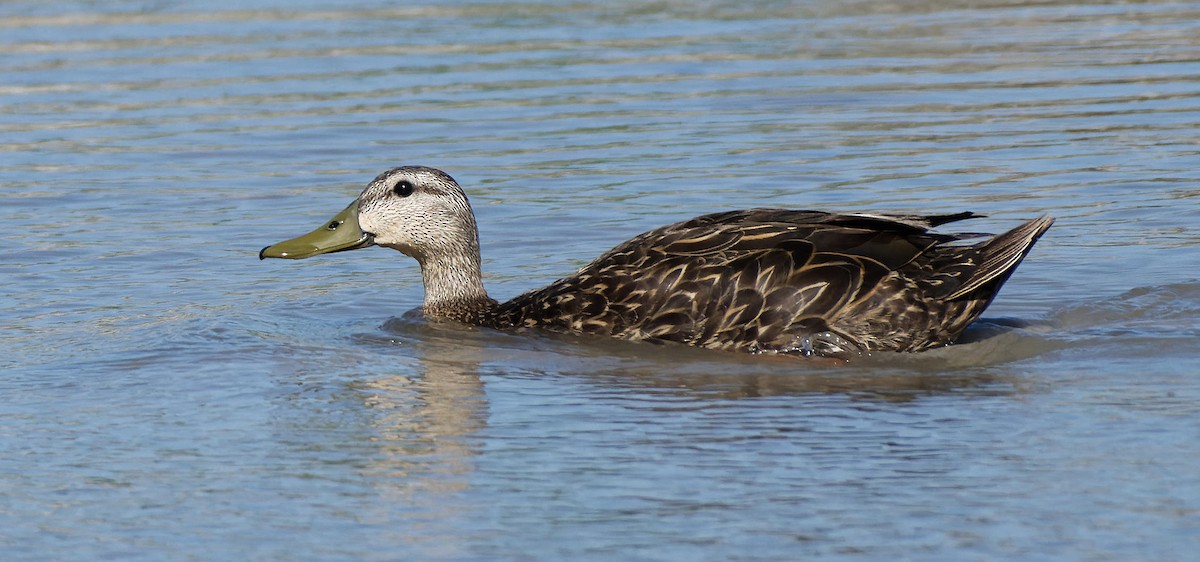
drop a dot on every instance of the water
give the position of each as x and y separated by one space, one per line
166 396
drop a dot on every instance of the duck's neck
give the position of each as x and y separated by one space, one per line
454 289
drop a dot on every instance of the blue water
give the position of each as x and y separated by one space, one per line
166 396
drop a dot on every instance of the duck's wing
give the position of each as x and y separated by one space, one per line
758 279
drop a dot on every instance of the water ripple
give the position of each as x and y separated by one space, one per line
167 394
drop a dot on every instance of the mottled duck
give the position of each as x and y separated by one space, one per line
769 281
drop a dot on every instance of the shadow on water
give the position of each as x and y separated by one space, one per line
985 362
696 374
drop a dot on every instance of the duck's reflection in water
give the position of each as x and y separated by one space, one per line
429 417
424 423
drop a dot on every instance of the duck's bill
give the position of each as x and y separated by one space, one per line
339 234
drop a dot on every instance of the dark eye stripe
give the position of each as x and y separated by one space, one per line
403 189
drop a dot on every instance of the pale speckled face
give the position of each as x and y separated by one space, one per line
420 211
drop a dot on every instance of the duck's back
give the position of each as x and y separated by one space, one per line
783 281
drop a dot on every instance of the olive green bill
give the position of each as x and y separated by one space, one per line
339 234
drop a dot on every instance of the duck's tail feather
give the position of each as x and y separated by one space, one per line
999 256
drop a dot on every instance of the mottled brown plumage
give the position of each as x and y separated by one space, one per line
759 280
783 281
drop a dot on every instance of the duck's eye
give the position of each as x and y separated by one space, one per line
333 225
403 189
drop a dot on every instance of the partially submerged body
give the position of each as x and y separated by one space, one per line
760 280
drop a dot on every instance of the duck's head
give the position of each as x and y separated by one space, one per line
420 211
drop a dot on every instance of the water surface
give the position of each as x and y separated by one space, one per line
166 396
